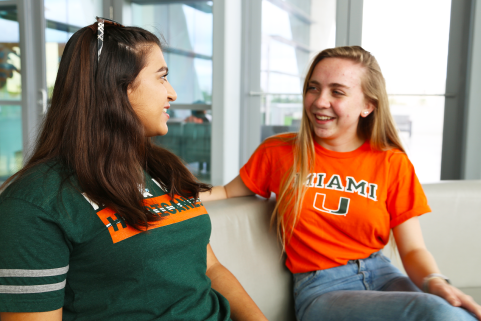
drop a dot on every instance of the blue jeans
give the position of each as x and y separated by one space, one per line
368 289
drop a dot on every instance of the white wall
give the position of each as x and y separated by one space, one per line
226 90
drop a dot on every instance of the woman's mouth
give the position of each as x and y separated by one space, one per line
319 117
165 111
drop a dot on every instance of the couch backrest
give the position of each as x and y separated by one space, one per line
452 231
244 243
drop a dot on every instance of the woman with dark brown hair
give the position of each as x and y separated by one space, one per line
101 224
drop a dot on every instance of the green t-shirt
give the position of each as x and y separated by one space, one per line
59 249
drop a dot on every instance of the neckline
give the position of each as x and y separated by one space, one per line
364 147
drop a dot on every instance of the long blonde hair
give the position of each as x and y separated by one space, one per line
378 128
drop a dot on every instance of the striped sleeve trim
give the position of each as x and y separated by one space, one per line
6 273
26 289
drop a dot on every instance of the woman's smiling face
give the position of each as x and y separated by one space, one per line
151 94
334 101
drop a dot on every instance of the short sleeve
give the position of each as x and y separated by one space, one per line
256 172
406 198
34 256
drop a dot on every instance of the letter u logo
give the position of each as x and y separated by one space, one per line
320 201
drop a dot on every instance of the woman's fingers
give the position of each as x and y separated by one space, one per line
441 288
454 296
469 304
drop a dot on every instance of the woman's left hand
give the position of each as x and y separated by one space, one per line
454 296
418 263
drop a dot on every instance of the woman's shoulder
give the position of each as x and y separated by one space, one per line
39 185
394 158
396 155
276 146
388 152
280 140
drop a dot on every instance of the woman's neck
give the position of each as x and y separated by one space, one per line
340 145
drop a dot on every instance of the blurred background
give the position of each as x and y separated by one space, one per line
238 67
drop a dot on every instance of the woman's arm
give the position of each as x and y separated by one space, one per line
234 188
419 263
241 305
32 316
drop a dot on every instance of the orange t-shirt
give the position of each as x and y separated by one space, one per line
352 202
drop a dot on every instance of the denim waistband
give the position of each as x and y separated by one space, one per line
373 255
361 263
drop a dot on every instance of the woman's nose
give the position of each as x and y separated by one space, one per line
171 94
322 100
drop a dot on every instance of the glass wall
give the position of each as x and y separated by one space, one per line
10 94
63 18
187 31
292 33
10 77
413 58
186 28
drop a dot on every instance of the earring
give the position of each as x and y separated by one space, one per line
366 113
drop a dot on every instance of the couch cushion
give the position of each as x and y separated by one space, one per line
243 242
453 230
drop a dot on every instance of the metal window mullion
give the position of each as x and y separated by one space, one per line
191 106
349 22
226 74
455 109
10 102
447 95
31 21
250 115
471 168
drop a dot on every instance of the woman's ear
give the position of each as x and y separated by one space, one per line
131 96
368 109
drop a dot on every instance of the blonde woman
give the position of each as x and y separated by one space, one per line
343 183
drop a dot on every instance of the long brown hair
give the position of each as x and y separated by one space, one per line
92 130
378 128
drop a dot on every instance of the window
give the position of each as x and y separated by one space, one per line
292 33
63 19
410 42
11 145
187 30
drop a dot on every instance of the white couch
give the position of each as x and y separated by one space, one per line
244 242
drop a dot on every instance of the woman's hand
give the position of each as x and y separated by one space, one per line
454 296
419 263
32 316
235 188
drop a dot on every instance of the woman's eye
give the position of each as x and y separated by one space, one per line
337 92
311 88
164 77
